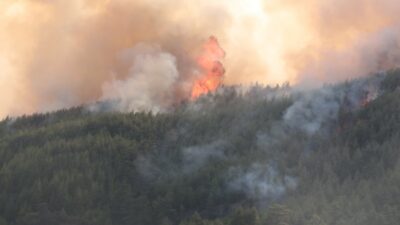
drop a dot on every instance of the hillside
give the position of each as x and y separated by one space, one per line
264 155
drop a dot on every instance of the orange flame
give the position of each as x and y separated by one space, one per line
212 70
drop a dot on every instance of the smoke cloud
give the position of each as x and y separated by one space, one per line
195 157
150 83
56 54
253 126
261 181
316 110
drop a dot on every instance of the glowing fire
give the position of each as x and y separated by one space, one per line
369 96
212 70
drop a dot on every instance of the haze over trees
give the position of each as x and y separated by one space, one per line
262 156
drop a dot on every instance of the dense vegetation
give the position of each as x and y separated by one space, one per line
230 158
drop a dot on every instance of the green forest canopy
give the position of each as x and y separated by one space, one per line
268 155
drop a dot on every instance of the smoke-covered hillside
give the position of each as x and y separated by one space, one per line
241 156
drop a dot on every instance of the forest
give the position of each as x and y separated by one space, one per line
261 155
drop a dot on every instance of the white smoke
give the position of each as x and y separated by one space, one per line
261 181
195 157
149 84
313 109
316 109
307 113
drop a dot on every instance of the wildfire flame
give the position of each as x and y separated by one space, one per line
211 67
368 97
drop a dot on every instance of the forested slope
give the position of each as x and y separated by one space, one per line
265 155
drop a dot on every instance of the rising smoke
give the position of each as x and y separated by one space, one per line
261 182
150 84
69 54
315 110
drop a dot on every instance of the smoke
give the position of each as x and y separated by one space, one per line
195 157
377 52
261 181
149 85
256 136
187 162
313 109
316 110
69 52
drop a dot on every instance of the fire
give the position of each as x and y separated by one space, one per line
368 97
212 69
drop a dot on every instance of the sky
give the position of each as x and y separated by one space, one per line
56 53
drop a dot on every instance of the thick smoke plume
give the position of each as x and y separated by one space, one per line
149 84
56 54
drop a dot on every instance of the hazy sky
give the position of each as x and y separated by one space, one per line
57 53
